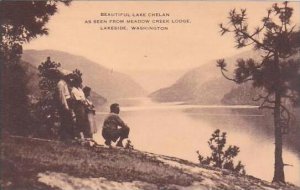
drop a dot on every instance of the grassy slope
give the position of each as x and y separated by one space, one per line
28 158
22 159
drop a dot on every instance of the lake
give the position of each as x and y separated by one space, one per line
180 130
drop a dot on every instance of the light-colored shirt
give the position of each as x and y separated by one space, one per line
78 94
63 93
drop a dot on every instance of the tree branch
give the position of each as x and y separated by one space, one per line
268 56
267 107
256 41
289 114
222 71
245 34
234 80
261 97
287 119
292 29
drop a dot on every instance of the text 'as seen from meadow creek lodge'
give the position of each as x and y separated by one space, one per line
161 21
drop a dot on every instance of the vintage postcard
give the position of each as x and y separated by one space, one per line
115 95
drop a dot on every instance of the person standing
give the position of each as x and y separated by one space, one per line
64 109
90 113
78 104
114 127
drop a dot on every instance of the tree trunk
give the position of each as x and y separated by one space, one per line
278 172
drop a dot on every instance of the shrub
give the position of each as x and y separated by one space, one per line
219 157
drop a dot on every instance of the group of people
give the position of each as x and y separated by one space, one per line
77 112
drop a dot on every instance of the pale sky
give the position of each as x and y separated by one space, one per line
182 47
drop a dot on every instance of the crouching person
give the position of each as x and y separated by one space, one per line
114 128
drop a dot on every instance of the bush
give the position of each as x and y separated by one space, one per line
221 158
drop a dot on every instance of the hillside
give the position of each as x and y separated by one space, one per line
33 85
203 85
53 165
190 91
107 83
242 94
33 78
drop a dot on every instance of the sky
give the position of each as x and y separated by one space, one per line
178 49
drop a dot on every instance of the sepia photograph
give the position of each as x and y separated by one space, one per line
150 95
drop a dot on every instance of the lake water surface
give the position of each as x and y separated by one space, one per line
180 130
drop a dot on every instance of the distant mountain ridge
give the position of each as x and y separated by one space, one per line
107 83
202 85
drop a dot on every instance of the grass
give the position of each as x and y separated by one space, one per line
22 159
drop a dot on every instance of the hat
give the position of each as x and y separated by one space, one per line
64 71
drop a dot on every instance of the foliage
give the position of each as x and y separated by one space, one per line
220 157
15 111
49 74
277 73
21 21
18 24
14 100
46 107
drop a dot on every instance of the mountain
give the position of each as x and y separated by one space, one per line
33 85
202 85
242 94
191 91
109 84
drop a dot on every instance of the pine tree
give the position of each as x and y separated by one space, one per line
277 73
46 107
